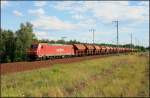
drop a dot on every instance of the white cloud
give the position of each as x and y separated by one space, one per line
45 22
106 11
17 13
37 12
99 36
4 4
144 3
65 5
52 23
86 23
77 17
116 10
104 32
40 3
41 34
126 29
76 9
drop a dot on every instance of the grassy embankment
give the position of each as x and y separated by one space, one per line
125 75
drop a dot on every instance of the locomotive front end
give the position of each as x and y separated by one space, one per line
32 52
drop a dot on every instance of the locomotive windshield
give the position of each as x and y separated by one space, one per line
34 46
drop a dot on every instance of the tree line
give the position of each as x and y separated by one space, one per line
13 45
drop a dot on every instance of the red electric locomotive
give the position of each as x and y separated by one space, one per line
44 50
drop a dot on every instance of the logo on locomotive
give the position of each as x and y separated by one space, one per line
60 50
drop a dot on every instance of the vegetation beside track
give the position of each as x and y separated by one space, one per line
124 75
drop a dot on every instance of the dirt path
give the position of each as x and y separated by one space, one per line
24 66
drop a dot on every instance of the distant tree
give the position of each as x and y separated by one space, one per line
10 45
2 45
148 48
128 46
1 41
73 42
60 41
24 39
7 46
52 41
140 48
44 41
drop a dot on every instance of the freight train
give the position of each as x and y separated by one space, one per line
50 51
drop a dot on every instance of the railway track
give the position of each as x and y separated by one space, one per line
8 68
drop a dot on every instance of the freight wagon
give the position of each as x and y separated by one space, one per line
89 49
79 49
103 49
97 49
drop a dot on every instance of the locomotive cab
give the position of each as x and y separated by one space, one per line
33 50
34 46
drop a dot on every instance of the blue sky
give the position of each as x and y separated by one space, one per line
73 19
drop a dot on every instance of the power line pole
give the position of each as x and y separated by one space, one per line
117 34
131 42
92 30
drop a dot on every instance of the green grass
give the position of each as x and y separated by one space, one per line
125 75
